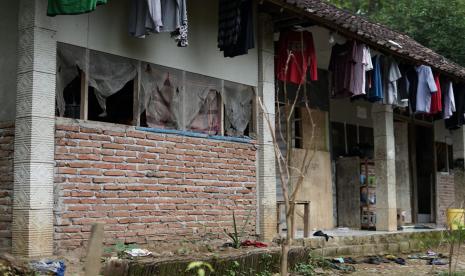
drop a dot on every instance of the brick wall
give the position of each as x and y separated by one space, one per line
148 187
6 184
445 196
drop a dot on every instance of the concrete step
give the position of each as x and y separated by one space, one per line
372 243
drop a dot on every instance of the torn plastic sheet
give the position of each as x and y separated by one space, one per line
106 73
69 60
207 119
171 105
238 107
201 108
160 96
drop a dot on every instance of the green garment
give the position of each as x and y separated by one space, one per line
57 7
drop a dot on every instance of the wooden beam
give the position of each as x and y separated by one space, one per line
221 109
84 108
136 97
254 120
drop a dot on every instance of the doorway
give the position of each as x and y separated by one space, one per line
425 174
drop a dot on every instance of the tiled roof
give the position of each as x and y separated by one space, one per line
373 34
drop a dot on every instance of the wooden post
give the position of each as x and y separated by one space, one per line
278 216
306 219
84 110
253 121
136 96
221 102
94 251
291 231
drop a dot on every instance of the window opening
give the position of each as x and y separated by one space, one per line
119 106
72 99
124 91
444 157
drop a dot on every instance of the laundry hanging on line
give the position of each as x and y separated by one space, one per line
457 119
296 53
436 98
235 27
156 16
448 99
71 7
426 87
341 65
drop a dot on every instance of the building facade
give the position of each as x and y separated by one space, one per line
69 161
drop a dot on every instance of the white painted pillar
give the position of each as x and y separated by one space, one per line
385 167
266 167
32 228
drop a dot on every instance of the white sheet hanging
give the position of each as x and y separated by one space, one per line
107 73
238 107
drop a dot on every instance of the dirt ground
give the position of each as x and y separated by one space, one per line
412 267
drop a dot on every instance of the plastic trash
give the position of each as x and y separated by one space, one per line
48 266
350 260
339 260
138 252
437 262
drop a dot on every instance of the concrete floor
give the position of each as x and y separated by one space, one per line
345 232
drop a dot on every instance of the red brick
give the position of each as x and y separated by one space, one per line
93 157
72 135
90 172
91 130
103 166
125 167
80 180
136 134
79 165
113 146
67 171
103 180
89 144
114 133
100 137
149 187
112 159
82 194
114 173
114 187
67 128
126 153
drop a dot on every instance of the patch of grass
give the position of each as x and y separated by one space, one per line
304 269
462 273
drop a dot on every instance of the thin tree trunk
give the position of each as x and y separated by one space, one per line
285 247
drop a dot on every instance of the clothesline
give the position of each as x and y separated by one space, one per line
357 74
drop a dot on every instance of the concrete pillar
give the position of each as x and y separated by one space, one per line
32 228
385 168
403 190
266 156
458 139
